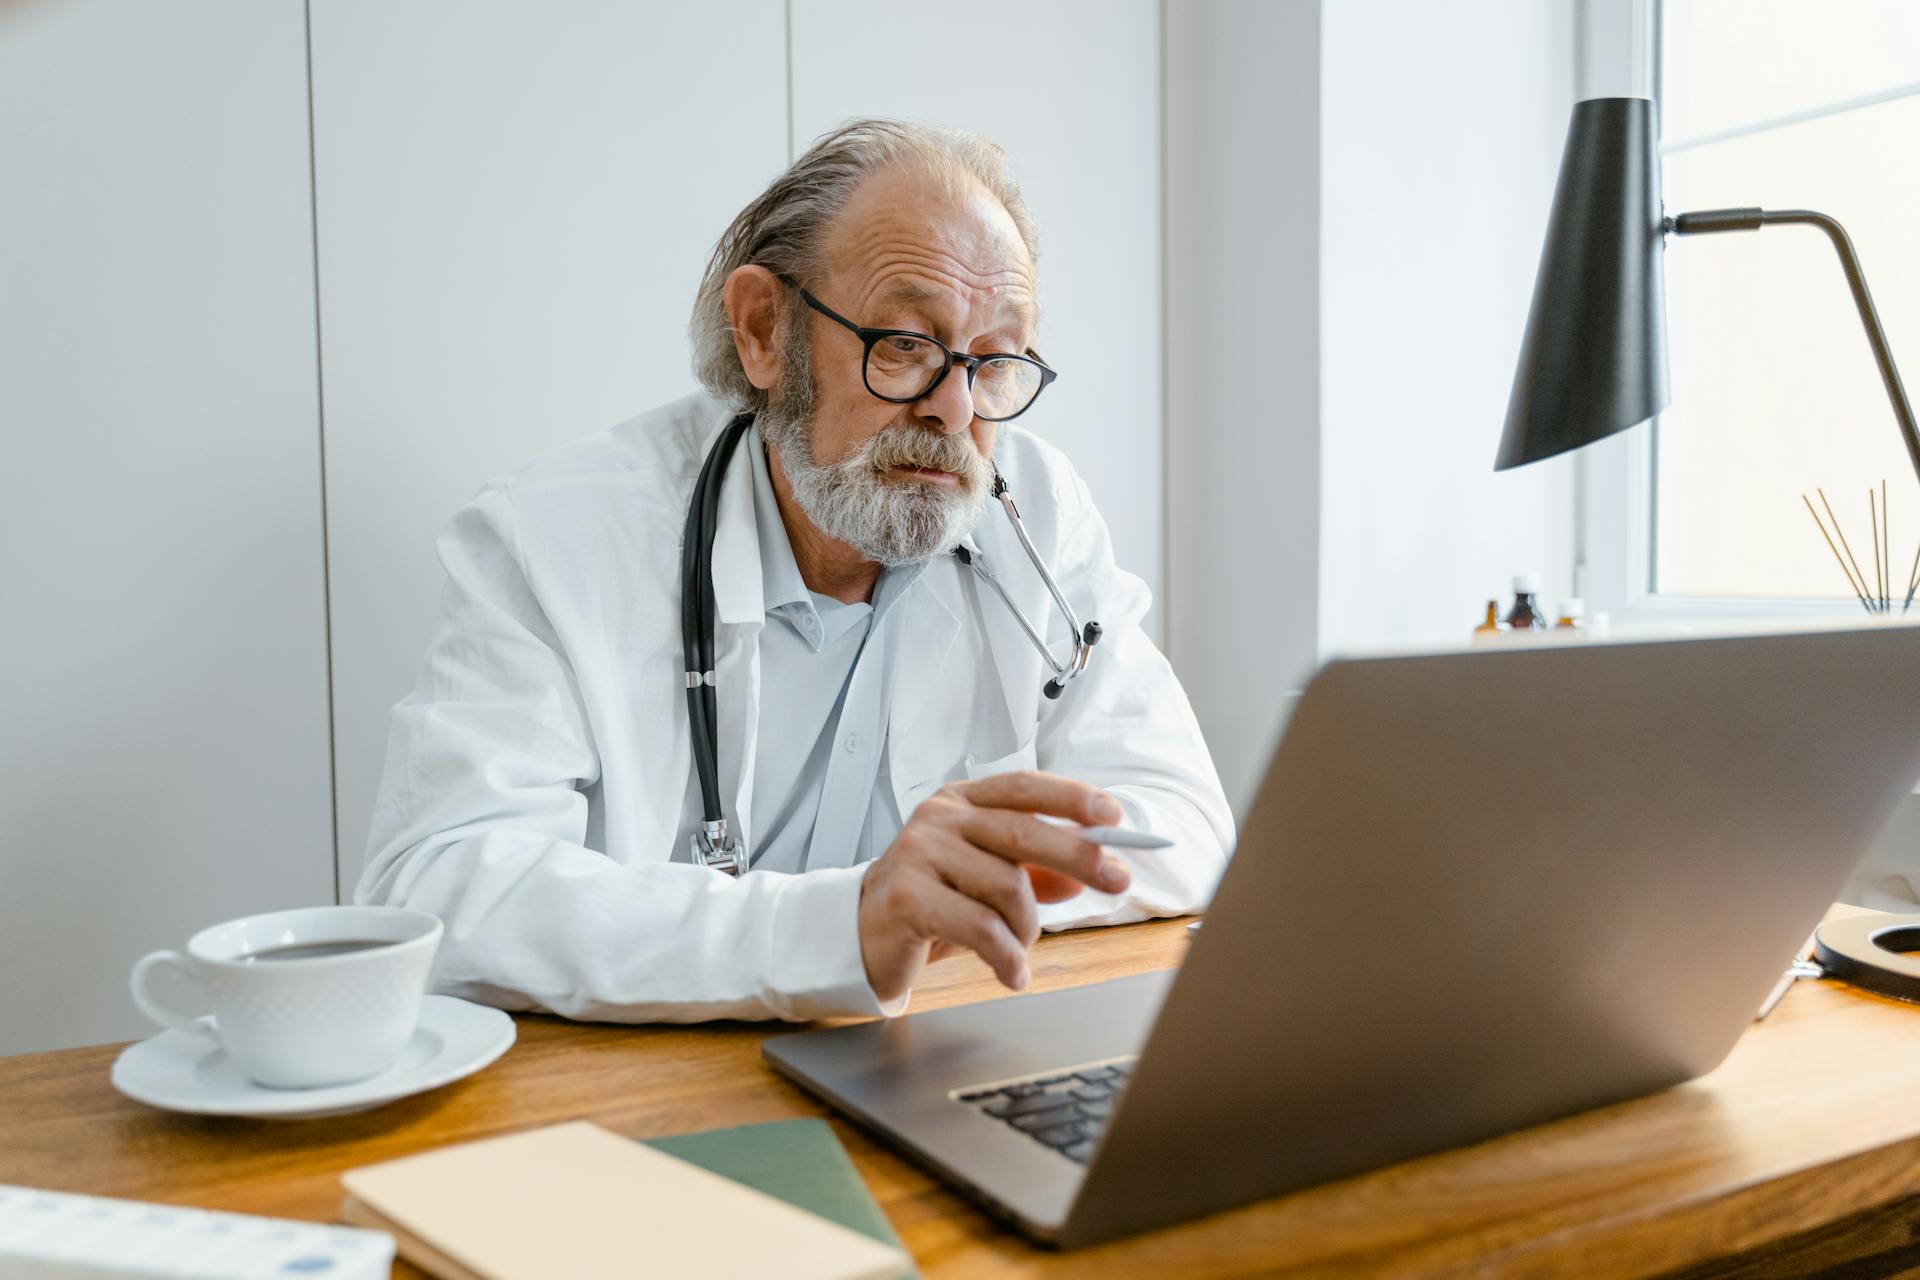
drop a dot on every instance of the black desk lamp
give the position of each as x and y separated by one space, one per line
1594 359
1594 362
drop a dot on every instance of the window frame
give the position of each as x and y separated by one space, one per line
1616 533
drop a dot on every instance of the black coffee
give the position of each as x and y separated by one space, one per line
314 950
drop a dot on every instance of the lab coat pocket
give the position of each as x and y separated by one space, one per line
1024 757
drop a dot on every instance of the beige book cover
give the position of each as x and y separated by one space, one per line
575 1200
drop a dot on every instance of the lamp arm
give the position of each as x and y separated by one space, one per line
1712 220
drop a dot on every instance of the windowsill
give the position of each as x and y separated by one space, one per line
1683 615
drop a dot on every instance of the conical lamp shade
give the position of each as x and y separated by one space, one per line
1594 359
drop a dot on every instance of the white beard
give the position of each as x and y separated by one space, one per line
890 522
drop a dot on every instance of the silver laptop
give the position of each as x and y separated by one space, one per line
1475 892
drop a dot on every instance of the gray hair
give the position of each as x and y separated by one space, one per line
785 228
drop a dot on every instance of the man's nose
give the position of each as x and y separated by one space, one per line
948 407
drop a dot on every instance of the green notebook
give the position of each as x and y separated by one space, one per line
799 1161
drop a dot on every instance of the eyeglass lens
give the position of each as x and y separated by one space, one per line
901 367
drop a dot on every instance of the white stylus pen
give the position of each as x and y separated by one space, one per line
1113 837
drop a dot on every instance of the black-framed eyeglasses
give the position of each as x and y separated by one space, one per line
901 366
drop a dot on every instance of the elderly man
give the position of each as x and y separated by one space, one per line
881 744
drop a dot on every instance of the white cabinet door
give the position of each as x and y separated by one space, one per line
516 202
163 762
1071 89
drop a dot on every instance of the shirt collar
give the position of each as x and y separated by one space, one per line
785 591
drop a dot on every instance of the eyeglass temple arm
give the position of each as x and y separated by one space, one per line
1707 221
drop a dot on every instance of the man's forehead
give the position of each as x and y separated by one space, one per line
913 241
1013 298
907 290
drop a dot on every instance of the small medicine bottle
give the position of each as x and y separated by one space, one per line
1491 628
1525 614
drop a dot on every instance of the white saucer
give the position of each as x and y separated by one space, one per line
182 1072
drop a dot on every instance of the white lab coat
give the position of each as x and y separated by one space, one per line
539 789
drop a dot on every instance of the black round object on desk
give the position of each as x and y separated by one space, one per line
1873 953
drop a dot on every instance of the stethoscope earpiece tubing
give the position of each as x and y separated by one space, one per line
697 614
698 623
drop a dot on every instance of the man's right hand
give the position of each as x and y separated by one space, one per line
953 878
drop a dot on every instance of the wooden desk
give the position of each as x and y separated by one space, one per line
1802 1151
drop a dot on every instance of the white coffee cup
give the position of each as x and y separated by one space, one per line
291 1008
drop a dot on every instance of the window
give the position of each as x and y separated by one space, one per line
1811 104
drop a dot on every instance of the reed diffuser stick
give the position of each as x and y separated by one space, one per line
1842 562
1873 536
1843 542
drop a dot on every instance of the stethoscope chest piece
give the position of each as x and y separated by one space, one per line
718 849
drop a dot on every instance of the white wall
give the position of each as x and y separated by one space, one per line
1243 366
1441 139
1072 90
1356 199
162 652
233 479
516 203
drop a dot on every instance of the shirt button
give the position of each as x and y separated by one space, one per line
853 742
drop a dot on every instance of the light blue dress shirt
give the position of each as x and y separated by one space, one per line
821 794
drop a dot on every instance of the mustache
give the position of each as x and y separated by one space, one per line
910 446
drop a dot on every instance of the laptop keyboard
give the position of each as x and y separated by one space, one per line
1066 1110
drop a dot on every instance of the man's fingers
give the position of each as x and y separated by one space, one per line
999 884
1051 886
957 918
1034 791
958 874
1020 837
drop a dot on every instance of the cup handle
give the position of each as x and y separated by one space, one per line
150 1004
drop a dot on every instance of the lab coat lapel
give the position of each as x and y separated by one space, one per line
740 606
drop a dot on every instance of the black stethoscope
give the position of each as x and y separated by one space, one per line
712 845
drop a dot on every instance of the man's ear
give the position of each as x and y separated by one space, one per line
753 298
